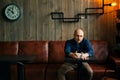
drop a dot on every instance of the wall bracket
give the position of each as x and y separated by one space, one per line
60 15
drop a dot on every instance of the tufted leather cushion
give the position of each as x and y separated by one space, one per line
56 51
8 48
100 50
51 71
37 48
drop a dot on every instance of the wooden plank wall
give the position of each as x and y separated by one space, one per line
36 23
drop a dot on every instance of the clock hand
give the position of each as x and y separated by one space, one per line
10 10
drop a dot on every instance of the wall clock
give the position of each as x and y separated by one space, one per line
12 12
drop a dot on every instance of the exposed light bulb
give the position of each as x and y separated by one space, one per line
113 4
82 17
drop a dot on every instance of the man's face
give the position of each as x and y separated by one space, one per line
78 36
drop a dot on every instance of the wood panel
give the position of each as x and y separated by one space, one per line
84 24
65 27
43 20
36 23
33 26
91 22
39 21
58 25
24 31
77 9
53 24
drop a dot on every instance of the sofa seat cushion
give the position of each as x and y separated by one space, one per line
35 71
72 75
100 71
100 68
32 72
14 72
51 71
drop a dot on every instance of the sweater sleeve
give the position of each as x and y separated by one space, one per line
67 48
89 48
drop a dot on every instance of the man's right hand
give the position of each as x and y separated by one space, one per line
74 55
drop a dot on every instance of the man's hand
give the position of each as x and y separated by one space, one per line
74 55
84 56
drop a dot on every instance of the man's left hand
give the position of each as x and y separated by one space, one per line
84 56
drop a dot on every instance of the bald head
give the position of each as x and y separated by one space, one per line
78 35
78 31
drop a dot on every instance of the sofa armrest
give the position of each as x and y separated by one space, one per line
116 61
110 63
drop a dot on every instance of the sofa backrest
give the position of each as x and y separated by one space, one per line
8 48
56 52
52 51
37 48
100 50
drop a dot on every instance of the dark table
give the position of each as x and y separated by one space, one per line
20 60
79 62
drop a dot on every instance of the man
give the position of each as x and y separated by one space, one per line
78 47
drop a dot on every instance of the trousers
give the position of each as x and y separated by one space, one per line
85 67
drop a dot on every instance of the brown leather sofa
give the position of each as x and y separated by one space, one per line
49 58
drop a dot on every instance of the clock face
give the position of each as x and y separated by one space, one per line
12 12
